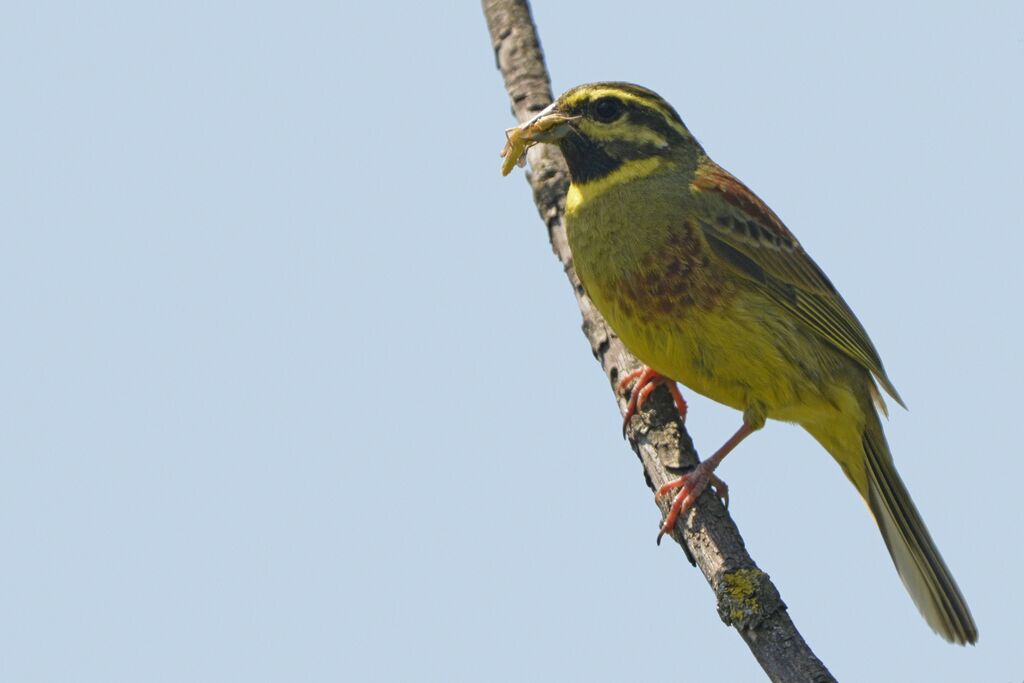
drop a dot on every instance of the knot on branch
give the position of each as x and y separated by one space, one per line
746 598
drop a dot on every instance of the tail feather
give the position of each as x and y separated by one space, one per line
917 560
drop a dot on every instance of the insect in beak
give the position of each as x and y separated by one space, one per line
549 125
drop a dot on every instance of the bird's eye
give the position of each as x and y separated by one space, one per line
607 109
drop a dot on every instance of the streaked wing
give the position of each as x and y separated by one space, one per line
750 237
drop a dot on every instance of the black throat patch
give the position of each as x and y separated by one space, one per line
586 159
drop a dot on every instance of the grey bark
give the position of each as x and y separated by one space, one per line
746 598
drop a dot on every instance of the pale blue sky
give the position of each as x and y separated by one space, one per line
295 391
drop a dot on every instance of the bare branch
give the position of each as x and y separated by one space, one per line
746 598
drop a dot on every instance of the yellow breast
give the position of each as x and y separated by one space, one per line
682 311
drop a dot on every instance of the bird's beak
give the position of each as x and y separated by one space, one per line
549 125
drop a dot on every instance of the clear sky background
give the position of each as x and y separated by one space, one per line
294 390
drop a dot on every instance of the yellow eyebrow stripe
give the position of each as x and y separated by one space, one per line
633 134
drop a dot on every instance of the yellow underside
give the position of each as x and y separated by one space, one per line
722 337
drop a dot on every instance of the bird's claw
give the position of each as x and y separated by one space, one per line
691 485
647 380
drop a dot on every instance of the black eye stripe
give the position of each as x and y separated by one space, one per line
637 113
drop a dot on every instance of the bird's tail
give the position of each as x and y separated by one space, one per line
913 552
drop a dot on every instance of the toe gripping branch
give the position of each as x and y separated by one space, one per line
647 380
692 484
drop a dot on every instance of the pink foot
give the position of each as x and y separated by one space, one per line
647 380
690 486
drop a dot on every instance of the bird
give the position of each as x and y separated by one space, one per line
707 287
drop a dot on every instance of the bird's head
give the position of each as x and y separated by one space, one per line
601 127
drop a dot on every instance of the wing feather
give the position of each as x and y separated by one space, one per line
748 236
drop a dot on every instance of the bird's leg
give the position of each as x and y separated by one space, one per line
647 380
692 484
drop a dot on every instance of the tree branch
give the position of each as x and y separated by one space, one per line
746 598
